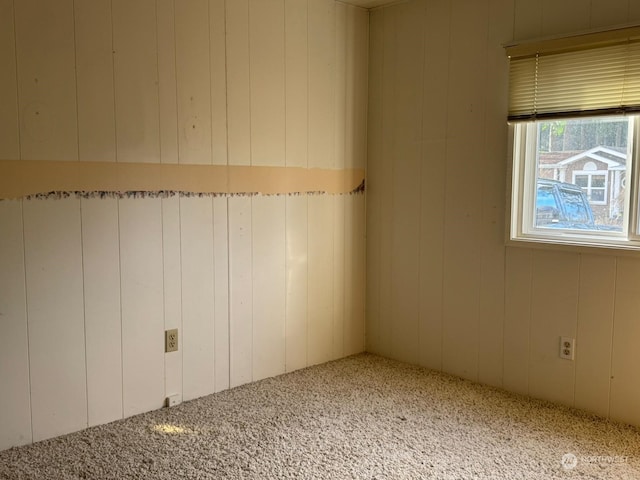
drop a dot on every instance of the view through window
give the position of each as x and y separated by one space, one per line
580 174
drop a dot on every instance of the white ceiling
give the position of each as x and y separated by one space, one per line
368 3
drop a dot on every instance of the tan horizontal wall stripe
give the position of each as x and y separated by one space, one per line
19 178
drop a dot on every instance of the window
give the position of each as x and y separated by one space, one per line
593 182
594 185
574 115
562 175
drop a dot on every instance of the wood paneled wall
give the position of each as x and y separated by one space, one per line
443 291
257 285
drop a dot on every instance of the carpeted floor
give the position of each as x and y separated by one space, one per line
361 417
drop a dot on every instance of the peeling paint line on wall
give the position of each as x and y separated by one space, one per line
54 179
54 195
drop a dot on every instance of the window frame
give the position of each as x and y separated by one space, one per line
522 184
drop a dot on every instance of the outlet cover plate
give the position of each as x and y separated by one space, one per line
567 348
171 340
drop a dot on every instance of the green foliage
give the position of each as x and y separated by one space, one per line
556 128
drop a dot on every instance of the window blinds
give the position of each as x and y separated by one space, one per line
593 74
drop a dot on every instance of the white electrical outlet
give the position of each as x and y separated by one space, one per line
567 348
171 340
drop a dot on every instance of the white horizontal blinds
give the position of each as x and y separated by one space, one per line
522 86
631 94
582 81
592 79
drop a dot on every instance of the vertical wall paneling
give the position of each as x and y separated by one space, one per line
240 291
296 282
527 22
406 134
136 80
9 126
238 83
517 322
53 259
568 16
167 89
354 280
339 263
267 68
221 297
321 151
268 253
15 416
101 268
596 302
634 11
437 56
357 35
432 179
296 80
554 312
196 226
374 181
432 218
340 111
320 279
461 278
340 145
463 213
218 59
172 288
141 291
239 211
609 12
193 81
357 86
46 80
296 145
491 314
625 389
94 71
321 51
468 99
386 194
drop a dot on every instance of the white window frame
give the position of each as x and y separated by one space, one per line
522 191
590 174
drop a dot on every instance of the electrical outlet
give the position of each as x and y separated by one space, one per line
171 340
567 348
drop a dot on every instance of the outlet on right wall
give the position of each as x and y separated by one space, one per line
443 290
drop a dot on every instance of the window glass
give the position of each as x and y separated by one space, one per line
590 153
582 181
569 180
576 208
547 212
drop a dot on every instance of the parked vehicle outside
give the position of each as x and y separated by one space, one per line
563 205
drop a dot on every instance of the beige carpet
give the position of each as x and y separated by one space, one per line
361 417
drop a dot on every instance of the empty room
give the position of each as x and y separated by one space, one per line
319 239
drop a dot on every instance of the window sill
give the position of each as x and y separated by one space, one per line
623 248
